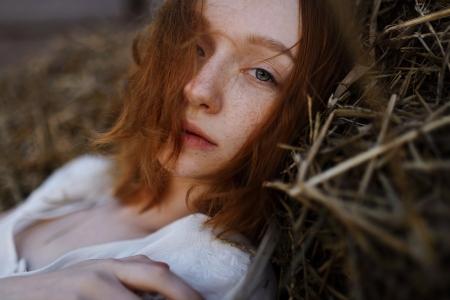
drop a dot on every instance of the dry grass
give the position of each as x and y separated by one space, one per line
367 200
50 104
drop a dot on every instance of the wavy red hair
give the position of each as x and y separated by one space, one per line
165 54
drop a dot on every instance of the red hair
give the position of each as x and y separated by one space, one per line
165 54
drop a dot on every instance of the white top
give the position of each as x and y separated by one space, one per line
209 265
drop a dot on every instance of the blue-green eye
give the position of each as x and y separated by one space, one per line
263 75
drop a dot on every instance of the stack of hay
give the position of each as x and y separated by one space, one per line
51 104
368 202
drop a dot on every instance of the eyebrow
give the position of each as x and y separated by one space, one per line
261 40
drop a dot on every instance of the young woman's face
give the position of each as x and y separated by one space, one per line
238 79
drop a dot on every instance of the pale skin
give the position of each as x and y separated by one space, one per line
229 98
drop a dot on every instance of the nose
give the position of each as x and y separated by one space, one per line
205 90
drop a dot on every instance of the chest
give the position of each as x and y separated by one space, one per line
46 241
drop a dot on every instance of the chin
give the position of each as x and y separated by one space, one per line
192 164
190 168
185 167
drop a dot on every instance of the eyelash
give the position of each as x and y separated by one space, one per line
270 78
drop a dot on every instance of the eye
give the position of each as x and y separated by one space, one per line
263 75
200 51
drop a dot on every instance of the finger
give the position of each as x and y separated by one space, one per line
144 259
110 289
154 278
92 284
118 292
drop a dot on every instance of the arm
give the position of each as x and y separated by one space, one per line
98 280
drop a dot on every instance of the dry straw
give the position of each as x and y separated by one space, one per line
50 104
367 199
367 213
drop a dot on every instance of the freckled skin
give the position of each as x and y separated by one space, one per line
225 99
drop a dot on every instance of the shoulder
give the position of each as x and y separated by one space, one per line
84 178
84 169
212 266
5 214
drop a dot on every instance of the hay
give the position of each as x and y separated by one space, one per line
50 104
367 193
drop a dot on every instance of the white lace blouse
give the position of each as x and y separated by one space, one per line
214 268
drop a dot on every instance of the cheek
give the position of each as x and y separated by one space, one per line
246 115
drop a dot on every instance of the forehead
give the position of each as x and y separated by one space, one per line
277 19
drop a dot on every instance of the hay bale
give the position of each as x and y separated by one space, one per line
367 199
50 105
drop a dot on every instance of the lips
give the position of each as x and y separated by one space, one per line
195 138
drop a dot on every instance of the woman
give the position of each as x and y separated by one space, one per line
218 84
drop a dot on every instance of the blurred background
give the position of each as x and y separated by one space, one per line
28 26
62 64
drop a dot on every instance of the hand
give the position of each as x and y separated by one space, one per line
99 279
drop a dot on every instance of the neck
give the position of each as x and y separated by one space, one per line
173 206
